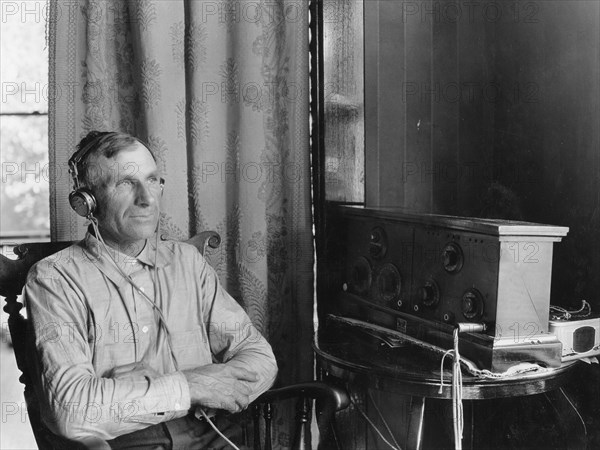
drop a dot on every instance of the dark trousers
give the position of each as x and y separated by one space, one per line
179 434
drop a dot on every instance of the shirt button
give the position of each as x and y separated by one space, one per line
142 289
177 406
144 329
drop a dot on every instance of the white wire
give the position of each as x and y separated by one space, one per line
562 313
373 425
156 286
467 364
385 424
217 430
162 321
446 353
576 411
457 407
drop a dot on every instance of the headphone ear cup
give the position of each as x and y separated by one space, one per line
83 202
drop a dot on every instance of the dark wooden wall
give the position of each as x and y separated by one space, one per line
492 109
548 145
429 132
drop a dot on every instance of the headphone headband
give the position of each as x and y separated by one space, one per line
80 154
81 199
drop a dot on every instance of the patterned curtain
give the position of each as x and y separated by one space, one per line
219 91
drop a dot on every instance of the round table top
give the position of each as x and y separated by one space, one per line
412 370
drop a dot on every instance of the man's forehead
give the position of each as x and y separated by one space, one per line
133 153
129 161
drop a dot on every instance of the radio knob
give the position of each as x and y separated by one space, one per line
360 276
452 258
389 283
429 294
472 304
377 243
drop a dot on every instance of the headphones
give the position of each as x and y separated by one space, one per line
82 199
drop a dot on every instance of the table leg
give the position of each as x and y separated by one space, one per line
568 419
414 439
469 426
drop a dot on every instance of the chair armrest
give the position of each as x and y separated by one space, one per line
330 399
13 272
313 389
204 240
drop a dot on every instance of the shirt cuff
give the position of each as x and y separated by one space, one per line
168 398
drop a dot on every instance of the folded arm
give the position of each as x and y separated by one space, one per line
245 366
76 402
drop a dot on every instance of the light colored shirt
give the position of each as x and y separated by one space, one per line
88 319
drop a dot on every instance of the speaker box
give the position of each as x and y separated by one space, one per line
580 338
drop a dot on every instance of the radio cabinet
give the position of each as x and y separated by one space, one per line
424 274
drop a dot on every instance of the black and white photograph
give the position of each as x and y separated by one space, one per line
300 224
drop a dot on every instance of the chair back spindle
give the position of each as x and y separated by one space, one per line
268 415
256 414
303 436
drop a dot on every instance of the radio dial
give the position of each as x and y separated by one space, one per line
429 294
378 243
360 276
452 258
389 283
472 304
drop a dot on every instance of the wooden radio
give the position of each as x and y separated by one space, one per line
424 274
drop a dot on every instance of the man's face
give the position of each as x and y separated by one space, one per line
128 198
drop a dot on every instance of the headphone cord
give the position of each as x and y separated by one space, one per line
162 321
214 427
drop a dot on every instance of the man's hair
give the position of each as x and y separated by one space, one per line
97 144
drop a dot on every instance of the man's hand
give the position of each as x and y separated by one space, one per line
133 371
220 386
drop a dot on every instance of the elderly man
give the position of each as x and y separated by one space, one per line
136 342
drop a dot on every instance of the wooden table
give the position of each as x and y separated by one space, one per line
412 371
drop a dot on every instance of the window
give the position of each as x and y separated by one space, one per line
343 83
24 191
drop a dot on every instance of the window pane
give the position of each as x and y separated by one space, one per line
24 192
343 79
24 57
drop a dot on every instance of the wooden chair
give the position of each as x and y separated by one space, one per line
329 398
13 273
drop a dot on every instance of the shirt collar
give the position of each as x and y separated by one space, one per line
97 252
148 254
